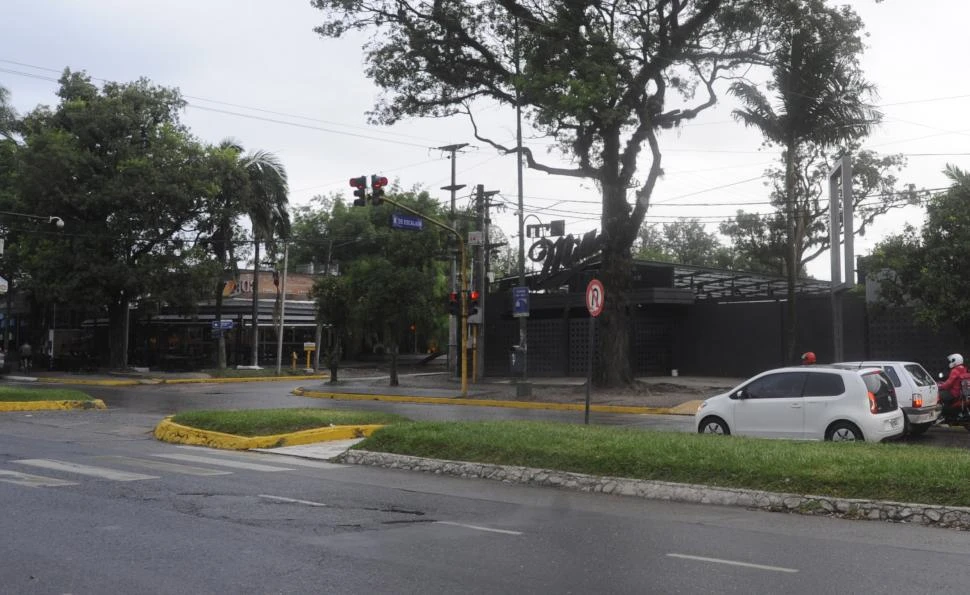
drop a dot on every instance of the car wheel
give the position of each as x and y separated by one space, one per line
918 429
713 425
843 431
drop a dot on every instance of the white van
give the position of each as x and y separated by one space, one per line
915 389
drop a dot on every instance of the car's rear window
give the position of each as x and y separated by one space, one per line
920 375
879 385
891 372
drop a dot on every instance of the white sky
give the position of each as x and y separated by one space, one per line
263 57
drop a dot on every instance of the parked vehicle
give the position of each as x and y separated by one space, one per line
916 391
809 403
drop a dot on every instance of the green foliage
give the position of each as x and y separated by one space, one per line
896 472
129 182
15 394
683 242
928 269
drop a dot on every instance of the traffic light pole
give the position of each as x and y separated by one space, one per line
463 281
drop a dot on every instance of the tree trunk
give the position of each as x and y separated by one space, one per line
611 361
116 333
221 340
255 351
394 350
792 250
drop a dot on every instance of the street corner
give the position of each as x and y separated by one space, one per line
169 431
52 405
688 408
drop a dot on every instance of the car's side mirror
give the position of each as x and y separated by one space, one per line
740 394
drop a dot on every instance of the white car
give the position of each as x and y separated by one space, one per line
808 403
915 389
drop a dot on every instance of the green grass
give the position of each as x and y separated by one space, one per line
11 393
266 422
891 471
266 372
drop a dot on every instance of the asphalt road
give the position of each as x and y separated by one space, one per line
92 504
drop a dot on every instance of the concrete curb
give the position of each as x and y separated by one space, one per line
951 517
51 405
683 409
141 381
169 431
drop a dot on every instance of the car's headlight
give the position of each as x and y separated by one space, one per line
702 405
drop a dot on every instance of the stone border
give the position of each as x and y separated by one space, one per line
953 517
51 405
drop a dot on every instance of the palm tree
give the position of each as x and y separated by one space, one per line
820 102
253 185
8 116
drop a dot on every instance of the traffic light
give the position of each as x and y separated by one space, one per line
361 191
377 184
454 307
473 302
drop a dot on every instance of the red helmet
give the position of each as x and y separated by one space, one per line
808 358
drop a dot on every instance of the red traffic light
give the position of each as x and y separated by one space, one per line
378 181
473 295
360 182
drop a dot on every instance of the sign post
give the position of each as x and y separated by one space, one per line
595 300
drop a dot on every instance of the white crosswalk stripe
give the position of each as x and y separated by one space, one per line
220 462
164 466
89 470
33 481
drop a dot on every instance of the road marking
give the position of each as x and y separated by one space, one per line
223 462
33 481
479 528
734 563
292 500
102 472
163 466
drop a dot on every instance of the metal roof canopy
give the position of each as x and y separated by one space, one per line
706 283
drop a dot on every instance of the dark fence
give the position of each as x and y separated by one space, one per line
733 339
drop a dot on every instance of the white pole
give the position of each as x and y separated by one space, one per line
279 338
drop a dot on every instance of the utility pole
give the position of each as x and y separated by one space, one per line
522 387
486 220
452 323
279 338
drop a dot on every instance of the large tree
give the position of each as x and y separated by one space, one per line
927 268
820 100
8 116
129 182
602 78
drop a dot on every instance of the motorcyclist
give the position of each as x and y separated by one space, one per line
808 358
950 388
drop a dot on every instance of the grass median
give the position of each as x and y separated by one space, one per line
11 394
890 471
269 372
269 422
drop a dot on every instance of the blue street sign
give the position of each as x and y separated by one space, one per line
225 324
520 302
399 221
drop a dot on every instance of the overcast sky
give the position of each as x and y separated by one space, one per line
255 71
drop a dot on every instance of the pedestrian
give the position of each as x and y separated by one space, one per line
26 354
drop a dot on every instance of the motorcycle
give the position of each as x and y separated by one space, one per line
956 410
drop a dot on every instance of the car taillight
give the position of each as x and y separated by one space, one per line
873 407
917 401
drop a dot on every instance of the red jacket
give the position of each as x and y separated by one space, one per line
952 382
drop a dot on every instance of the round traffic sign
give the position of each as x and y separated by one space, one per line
595 298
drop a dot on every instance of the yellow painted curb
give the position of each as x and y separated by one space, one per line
89 382
244 379
688 408
169 431
456 400
51 405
